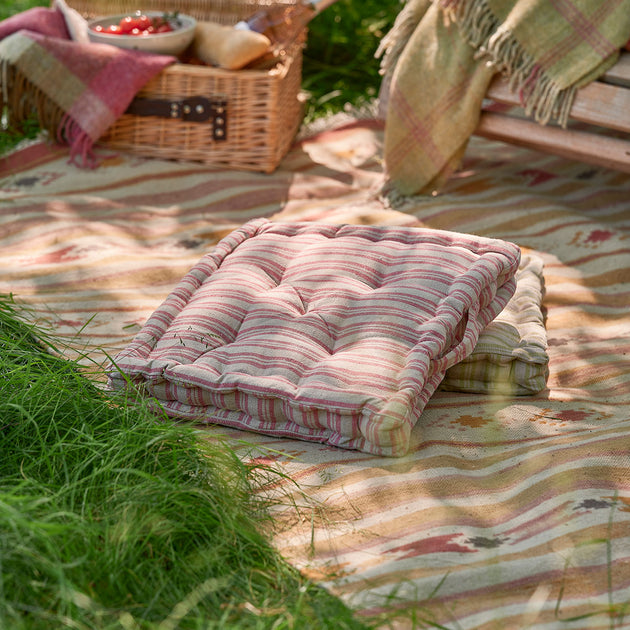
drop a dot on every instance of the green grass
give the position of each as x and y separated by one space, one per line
111 518
340 69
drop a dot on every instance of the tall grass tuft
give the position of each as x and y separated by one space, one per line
113 519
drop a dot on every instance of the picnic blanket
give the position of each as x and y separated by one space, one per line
507 512
92 84
440 57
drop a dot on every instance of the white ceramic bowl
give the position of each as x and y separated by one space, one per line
174 42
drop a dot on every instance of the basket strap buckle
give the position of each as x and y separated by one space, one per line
193 109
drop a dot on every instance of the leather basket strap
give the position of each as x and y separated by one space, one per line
192 109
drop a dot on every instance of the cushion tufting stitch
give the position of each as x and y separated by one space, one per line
331 333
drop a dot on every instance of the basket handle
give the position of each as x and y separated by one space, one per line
193 109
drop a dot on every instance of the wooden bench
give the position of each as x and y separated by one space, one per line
605 104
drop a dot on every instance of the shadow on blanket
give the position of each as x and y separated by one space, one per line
507 512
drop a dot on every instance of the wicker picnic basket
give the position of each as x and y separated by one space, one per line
255 113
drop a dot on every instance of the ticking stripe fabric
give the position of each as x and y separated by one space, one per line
328 333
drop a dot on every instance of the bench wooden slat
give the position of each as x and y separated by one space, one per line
586 147
604 103
598 103
619 74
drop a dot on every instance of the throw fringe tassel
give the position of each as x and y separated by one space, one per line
541 98
71 133
394 42
392 199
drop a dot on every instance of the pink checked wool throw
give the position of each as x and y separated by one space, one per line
330 333
441 55
93 84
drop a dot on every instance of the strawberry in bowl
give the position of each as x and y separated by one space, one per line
149 31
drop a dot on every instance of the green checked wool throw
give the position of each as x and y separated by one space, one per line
440 57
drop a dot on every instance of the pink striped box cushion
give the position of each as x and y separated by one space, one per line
331 333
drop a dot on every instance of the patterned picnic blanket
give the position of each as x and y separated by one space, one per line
440 57
508 512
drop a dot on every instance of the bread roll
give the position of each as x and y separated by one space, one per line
227 47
